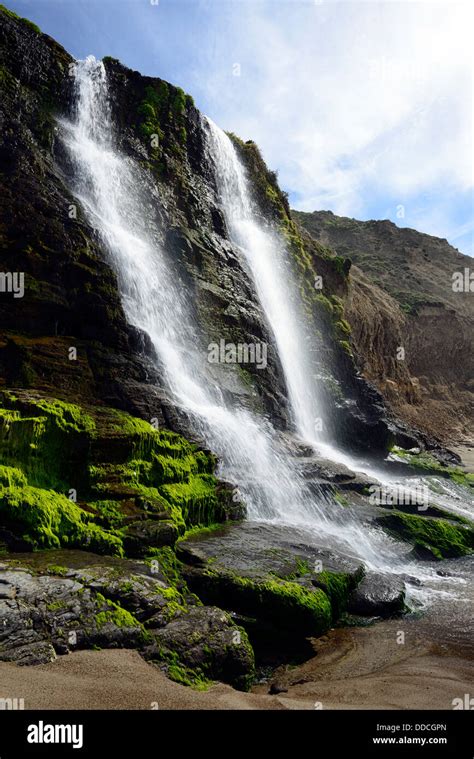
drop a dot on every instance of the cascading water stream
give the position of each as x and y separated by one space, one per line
266 258
265 254
118 200
108 186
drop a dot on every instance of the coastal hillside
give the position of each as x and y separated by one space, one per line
409 290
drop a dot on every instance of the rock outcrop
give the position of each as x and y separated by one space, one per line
48 609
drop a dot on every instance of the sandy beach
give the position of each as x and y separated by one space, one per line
361 668
466 452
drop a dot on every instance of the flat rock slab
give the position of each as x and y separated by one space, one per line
258 549
242 567
276 578
335 473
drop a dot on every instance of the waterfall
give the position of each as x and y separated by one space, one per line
264 251
108 186
117 198
266 256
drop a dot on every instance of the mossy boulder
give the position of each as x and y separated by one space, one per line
432 537
24 21
99 478
270 577
204 645
286 605
59 601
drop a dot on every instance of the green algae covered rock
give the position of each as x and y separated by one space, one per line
98 479
202 645
53 602
47 519
279 584
432 537
287 605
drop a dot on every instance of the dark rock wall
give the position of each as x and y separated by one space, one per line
71 294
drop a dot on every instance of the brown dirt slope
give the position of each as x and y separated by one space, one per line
401 295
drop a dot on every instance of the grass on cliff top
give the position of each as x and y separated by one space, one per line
24 21
264 181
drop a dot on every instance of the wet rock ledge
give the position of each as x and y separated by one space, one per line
266 594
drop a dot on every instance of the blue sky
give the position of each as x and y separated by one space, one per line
365 108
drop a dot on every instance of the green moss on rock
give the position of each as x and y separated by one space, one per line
285 604
438 537
108 514
424 461
114 614
337 587
118 468
11 477
46 438
167 563
57 569
162 114
46 519
180 673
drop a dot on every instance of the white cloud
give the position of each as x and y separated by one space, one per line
352 102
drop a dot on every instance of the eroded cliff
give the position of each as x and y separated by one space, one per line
402 295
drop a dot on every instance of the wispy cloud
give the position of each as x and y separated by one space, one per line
362 106
355 103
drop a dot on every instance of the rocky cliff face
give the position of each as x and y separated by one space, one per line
71 296
102 476
401 295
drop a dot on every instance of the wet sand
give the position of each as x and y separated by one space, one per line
368 668
466 452
358 668
113 679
